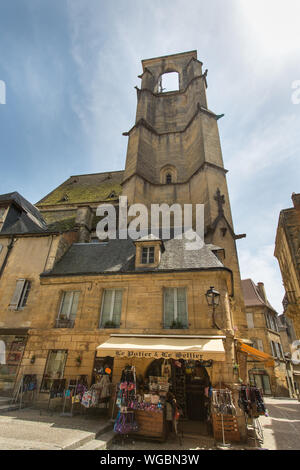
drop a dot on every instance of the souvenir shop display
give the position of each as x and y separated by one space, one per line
27 389
126 395
73 393
99 393
222 402
251 401
223 411
179 384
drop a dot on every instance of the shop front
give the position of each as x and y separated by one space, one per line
160 379
12 345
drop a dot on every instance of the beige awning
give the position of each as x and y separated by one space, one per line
176 347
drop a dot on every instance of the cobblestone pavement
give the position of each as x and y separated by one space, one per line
29 429
282 427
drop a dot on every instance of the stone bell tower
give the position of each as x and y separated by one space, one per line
174 152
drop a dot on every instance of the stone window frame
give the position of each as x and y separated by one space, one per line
147 254
69 321
168 170
112 307
175 288
21 294
44 378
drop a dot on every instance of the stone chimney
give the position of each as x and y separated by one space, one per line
261 289
83 222
296 200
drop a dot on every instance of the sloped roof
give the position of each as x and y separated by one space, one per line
22 203
119 256
252 296
90 188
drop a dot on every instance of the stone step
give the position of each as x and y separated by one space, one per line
92 441
9 408
101 443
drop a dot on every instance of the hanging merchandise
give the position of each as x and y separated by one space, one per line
222 402
251 401
98 395
125 400
125 423
179 385
57 388
166 370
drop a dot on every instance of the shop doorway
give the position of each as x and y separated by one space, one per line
190 384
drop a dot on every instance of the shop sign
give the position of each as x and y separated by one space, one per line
164 355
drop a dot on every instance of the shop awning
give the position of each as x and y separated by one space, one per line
155 346
257 354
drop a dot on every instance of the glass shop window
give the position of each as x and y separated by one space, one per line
175 308
148 255
54 369
111 308
20 296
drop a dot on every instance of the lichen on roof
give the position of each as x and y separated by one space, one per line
86 188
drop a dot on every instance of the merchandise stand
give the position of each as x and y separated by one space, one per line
225 425
70 393
27 388
57 388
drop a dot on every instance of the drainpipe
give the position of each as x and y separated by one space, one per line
9 248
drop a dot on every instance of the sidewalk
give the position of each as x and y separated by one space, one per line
26 429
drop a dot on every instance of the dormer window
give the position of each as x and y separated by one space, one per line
168 178
148 255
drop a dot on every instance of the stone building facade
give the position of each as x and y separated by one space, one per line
85 291
287 252
264 333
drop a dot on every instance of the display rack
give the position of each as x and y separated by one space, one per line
70 394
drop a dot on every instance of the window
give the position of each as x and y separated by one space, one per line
20 296
250 321
271 322
148 255
168 178
111 309
68 309
169 81
276 350
260 345
54 369
175 308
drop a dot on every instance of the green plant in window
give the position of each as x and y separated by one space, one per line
110 324
177 325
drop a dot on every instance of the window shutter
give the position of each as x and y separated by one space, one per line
17 294
168 307
181 306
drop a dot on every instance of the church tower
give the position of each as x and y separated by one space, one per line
174 155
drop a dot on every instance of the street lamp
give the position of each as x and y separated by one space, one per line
213 300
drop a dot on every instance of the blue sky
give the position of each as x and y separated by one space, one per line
70 68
